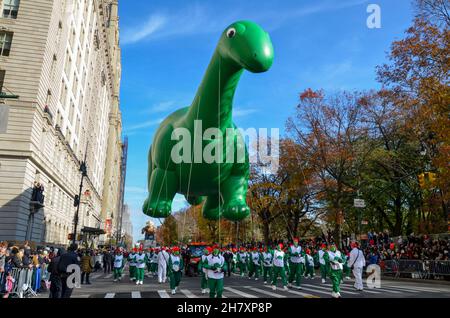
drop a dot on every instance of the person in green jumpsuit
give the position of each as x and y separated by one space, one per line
324 263
119 263
336 261
175 267
254 264
295 262
267 257
202 269
140 260
216 266
242 259
279 267
309 264
346 269
132 264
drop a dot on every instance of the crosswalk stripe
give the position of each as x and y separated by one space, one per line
325 288
294 292
188 293
135 294
240 293
163 294
316 290
417 288
110 295
108 276
352 288
265 292
397 291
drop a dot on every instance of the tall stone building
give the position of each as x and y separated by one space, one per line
62 60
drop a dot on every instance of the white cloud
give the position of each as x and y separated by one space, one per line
239 112
136 34
144 124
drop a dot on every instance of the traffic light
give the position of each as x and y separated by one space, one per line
76 201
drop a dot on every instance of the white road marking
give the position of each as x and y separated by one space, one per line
188 293
135 294
265 292
325 288
294 292
163 294
240 293
110 295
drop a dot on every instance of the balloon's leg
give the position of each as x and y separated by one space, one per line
162 188
211 209
234 192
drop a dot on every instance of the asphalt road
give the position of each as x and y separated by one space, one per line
241 287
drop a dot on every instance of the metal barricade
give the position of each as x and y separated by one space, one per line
422 269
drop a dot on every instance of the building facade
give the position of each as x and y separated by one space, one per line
62 60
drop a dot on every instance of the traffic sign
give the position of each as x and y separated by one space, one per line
359 203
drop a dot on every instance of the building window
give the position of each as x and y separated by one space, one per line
5 43
10 8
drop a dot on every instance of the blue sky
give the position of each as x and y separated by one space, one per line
167 45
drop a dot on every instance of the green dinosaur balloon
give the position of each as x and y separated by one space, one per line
222 182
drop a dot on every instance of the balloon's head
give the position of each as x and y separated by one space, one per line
248 45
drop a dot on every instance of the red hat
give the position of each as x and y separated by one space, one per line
242 248
308 251
210 249
324 245
134 249
281 245
295 239
234 250
175 249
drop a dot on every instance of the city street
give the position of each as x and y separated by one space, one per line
237 287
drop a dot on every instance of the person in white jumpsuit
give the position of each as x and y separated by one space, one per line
163 258
357 261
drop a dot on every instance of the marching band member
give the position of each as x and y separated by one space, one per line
242 258
175 268
335 260
216 266
267 264
295 264
279 267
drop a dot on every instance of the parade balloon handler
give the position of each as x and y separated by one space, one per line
222 185
357 262
254 264
132 264
242 258
267 256
119 263
235 260
279 267
202 269
228 255
154 262
163 259
309 264
295 264
141 260
175 268
346 268
324 263
336 261
148 263
216 266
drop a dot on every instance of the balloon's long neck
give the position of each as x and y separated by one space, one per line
213 103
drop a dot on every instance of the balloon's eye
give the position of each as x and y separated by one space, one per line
231 33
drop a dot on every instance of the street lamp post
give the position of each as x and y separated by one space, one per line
83 170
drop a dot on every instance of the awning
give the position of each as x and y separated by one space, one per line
92 230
